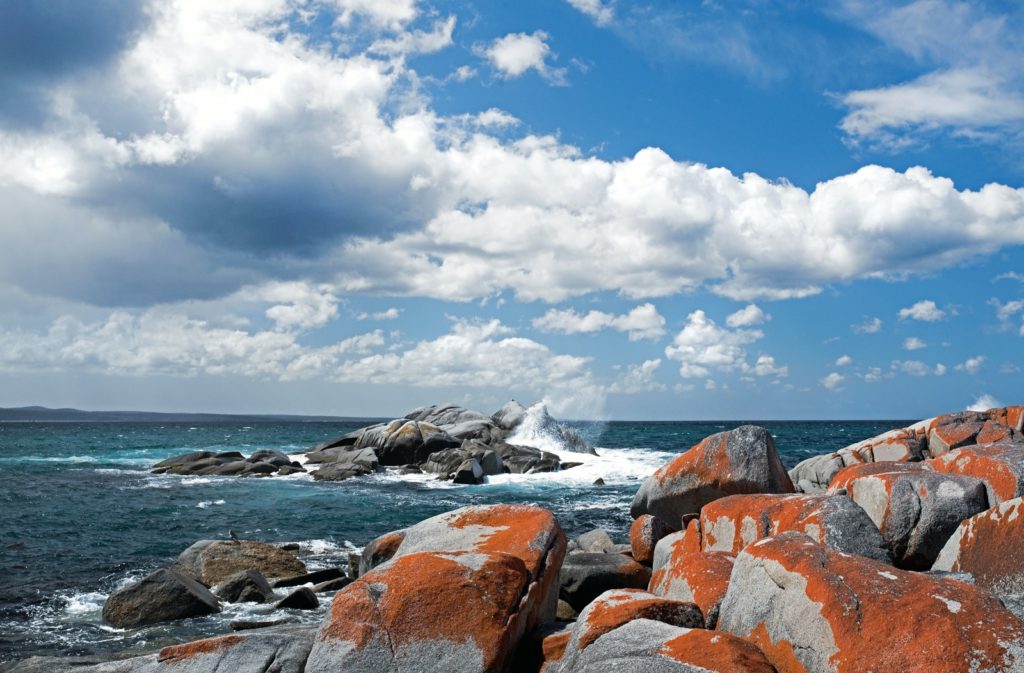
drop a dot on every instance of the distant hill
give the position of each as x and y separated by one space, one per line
47 415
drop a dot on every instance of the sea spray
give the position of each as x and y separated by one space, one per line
539 430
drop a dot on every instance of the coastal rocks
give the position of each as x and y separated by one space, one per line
917 512
999 466
988 546
248 586
596 541
743 460
448 462
230 463
587 575
325 575
701 578
213 561
379 551
811 609
302 598
733 523
843 478
536 422
644 535
281 652
341 463
161 596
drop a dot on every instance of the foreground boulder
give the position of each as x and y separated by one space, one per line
701 578
743 460
917 512
988 546
812 609
732 523
214 561
999 466
159 597
281 652
587 575
644 535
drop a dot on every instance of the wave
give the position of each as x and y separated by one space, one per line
539 430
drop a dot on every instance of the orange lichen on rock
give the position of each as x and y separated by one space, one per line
614 608
716 651
1000 466
701 578
554 645
174 653
988 546
644 535
521 530
812 609
843 478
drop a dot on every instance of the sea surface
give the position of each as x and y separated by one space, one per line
80 514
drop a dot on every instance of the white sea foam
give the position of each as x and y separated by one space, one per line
86 603
207 503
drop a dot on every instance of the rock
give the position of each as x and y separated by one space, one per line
988 546
379 551
812 609
269 456
732 523
159 597
245 625
177 461
427 611
842 479
256 653
443 415
585 576
596 540
302 598
447 462
954 430
701 578
340 472
469 472
917 512
647 646
743 460
553 648
565 612
248 586
213 561
258 470
402 441
310 578
290 546
285 470
332 585
88 664
599 482
644 535
509 416
999 466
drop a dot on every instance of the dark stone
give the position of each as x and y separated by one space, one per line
310 578
248 586
302 598
159 597
339 472
332 585
290 546
469 472
242 625
585 576
599 482
290 469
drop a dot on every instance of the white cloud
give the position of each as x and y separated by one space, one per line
639 378
1010 275
924 310
747 316
873 375
871 326
984 403
517 53
643 322
844 361
910 367
389 314
296 305
913 344
833 381
602 14
703 346
419 41
940 370
1005 312
972 365
392 14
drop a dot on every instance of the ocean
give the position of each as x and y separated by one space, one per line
80 514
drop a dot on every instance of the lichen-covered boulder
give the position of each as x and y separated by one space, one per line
160 596
843 478
701 578
917 512
951 431
380 550
1000 466
732 523
213 561
587 575
279 652
644 535
812 609
614 608
989 546
743 460
648 646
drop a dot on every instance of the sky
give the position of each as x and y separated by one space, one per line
761 209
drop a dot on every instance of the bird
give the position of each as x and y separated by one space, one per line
234 536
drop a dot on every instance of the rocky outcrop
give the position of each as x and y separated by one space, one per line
587 575
161 596
701 578
841 481
743 460
229 464
999 466
644 535
988 546
917 512
213 561
812 609
733 523
248 586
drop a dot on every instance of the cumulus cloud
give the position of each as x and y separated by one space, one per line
517 53
1006 312
747 316
639 378
703 346
833 381
924 310
389 314
643 322
913 344
870 326
844 361
602 14
972 365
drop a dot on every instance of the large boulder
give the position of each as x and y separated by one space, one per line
732 523
701 578
248 586
648 646
405 442
988 546
213 561
743 460
587 575
379 551
597 540
644 535
614 608
917 512
841 481
999 466
159 597
812 609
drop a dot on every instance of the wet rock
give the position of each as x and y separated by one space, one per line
281 652
917 512
585 576
340 472
379 551
310 578
732 523
988 546
213 561
999 466
302 598
812 609
743 460
469 472
332 585
159 597
701 578
248 586
597 540
644 535
599 482
247 625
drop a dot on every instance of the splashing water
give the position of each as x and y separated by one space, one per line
539 430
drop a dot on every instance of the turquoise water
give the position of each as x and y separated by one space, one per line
81 514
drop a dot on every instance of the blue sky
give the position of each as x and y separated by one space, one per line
660 210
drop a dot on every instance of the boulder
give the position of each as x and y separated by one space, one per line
988 546
447 462
302 598
701 578
917 512
213 561
469 472
248 586
280 652
585 576
379 551
404 442
332 585
732 523
159 597
597 540
954 430
340 472
614 608
270 456
509 416
553 647
178 461
743 460
812 609
648 646
87 664
842 479
999 466
644 535
316 577
443 415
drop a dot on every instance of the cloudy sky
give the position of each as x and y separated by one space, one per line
651 209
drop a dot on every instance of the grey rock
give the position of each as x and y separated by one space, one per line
213 561
159 597
309 578
302 598
469 472
597 540
585 576
246 625
281 651
340 472
248 586
332 585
